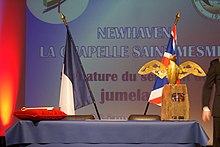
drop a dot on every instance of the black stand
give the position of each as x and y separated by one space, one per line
144 117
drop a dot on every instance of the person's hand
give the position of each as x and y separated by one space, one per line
206 115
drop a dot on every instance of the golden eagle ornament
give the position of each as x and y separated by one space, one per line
173 72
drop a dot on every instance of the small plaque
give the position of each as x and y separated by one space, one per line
177 97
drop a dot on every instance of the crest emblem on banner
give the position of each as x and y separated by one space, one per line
47 10
208 8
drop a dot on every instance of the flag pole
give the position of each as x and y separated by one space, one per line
87 83
175 23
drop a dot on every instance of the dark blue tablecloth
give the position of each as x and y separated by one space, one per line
106 133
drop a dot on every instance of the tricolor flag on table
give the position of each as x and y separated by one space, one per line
74 90
156 93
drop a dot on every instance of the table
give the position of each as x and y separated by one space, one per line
99 133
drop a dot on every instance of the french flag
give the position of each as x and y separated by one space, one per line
156 93
74 91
